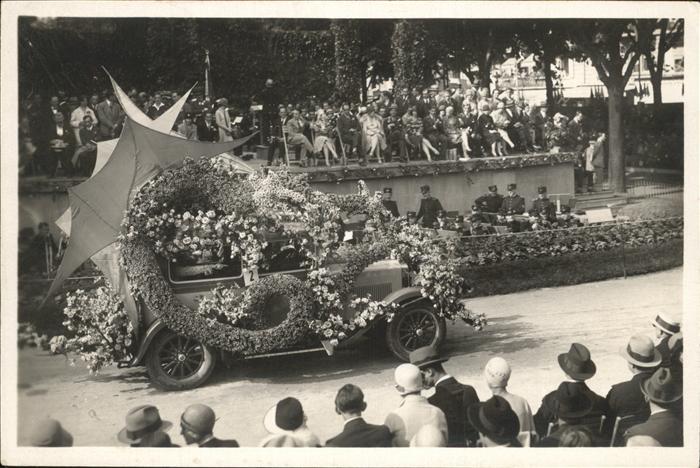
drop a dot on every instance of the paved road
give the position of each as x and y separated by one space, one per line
528 329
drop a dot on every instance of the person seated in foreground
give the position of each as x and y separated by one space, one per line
574 409
664 327
197 427
428 436
47 432
496 422
287 418
350 403
574 436
141 422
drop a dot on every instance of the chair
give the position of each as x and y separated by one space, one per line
594 424
621 426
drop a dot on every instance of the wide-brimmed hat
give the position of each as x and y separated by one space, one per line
140 421
286 415
425 356
572 401
666 324
48 432
577 362
495 419
640 351
661 387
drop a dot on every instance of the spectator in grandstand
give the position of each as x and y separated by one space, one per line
664 327
350 403
197 427
207 129
109 115
84 157
61 143
187 128
157 108
77 118
372 135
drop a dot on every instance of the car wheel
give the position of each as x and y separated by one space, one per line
175 362
414 327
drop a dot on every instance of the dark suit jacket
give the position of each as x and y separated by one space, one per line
512 205
392 207
665 427
208 132
219 443
453 398
548 409
662 347
489 203
428 210
626 398
357 433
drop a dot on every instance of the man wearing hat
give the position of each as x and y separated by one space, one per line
496 422
388 203
663 393
542 207
664 327
287 417
350 403
429 207
490 203
578 367
48 432
187 128
414 411
197 427
141 423
574 407
451 396
626 398
513 204
393 129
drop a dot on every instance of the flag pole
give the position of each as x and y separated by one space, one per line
207 69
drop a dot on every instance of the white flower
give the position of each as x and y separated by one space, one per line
211 213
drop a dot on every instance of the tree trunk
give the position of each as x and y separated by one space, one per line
616 159
656 88
547 65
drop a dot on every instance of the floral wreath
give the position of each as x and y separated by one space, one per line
203 210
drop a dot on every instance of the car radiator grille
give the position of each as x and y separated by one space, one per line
377 291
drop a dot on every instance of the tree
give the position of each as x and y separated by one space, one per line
348 63
613 46
409 58
654 48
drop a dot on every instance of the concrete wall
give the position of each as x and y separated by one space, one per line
457 191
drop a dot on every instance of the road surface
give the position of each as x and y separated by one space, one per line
528 329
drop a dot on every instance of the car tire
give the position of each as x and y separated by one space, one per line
414 327
175 362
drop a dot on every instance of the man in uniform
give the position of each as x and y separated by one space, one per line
513 204
388 203
542 206
429 207
477 219
393 129
490 203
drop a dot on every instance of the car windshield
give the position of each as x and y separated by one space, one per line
193 271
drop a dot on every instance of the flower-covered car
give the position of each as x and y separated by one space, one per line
224 266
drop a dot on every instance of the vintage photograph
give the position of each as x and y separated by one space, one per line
320 230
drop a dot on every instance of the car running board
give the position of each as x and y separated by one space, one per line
287 353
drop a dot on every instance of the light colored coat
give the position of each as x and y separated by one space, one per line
413 413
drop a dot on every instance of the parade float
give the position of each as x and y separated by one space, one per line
209 261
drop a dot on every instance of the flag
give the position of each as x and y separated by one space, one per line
207 75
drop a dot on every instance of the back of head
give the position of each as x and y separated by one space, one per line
428 436
576 437
497 372
198 418
350 399
48 432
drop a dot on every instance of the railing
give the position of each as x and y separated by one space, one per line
649 183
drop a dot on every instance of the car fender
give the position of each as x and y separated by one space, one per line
405 296
152 331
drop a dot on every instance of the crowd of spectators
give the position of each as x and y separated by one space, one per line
646 410
59 137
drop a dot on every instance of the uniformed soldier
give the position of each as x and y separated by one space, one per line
393 129
543 206
429 207
490 203
513 204
477 219
388 203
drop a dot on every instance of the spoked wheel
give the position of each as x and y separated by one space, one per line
176 362
413 328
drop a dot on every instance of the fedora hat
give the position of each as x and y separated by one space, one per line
640 351
577 362
495 419
666 324
48 432
425 356
141 421
661 387
572 401
286 415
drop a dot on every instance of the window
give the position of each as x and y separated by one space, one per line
185 271
280 256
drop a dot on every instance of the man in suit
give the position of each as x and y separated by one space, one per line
424 104
538 120
513 204
156 109
348 130
60 147
578 367
270 100
451 396
664 327
414 411
187 128
543 207
197 427
295 137
403 101
496 422
277 135
350 403
626 398
490 203
429 208
207 129
393 129
109 114
574 407
663 392
388 203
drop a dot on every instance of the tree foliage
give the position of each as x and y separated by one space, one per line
411 67
654 48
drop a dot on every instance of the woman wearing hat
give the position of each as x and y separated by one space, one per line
488 131
287 420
